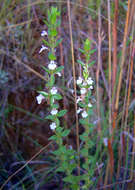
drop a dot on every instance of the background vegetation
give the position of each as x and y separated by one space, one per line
26 161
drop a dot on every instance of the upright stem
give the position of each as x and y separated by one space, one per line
114 67
74 76
110 100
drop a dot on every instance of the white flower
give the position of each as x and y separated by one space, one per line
105 140
54 90
89 105
44 33
83 90
84 114
90 81
84 84
39 98
52 66
91 87
52 62
54 111
59 74
78 100
79 110
53 126
79 81
42 48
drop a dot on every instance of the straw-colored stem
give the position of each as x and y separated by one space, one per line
114 66
74 77
122 58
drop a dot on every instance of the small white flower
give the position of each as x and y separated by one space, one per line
105 140
39 98
84 84
52 62
79 81
84 114
78 100
83 91
54 111
42 48
89 105
54 90
53 126
79 110
52 66
59 74
90 81
91 87
44 33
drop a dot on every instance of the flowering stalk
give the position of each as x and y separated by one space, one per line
85 108
64 155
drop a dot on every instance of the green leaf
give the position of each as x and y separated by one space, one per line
55 11
91 125
87 44
55 106
89 93
84 136
59 69
52 32
51 56
85 166
51 117
63 149
68 179
92 63
81 63
47 70
86 100
57 121
57 96
46 43
61 113
81 50
65 132
72 167
52 81
91 143
85 75
60 169
51 100
81 104
54 138
53 19
93 51
59 129
45 94
47 24
57 152
83 121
